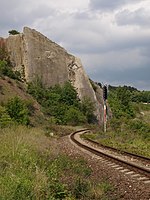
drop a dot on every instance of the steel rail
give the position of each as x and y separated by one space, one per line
110 156
118 150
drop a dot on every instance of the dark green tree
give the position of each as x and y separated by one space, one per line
69 94
18 110
37 89
120 102
5 119
62 102
124 96
74 116
6 70
13 32
87 107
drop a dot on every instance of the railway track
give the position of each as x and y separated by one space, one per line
118 151
135 168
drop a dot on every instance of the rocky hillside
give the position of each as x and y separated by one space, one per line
34 55
10 89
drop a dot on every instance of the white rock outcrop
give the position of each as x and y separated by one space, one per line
34 55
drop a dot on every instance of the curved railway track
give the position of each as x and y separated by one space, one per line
119 151
134 169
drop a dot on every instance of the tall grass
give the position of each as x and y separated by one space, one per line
33 167
132 135
129 135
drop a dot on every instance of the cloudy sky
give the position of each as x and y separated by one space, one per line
111 37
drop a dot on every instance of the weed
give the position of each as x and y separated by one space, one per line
81 188
30 169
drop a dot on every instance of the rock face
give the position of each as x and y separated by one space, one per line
2 42
34 55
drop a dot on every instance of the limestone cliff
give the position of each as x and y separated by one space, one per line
35 55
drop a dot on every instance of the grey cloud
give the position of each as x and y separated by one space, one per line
140 17
138 78
109 5
43 11
82 15
110 53
119 68
16 14
115 43
90 36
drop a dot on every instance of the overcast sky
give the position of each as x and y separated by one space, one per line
111 37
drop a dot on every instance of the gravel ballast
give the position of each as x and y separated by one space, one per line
124 186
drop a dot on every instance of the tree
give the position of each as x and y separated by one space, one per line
120 102
6 70
62 102
87 107
18 110
74 116
5 119
4 54
124 96
37 90
69 94
13 32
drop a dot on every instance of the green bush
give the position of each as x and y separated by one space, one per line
115 124
6 70
4 55
81 188
69 95
29 105
141 96
5 119
37 90
18 111
13 32
62 103
74 116
140 127
87 107
120 103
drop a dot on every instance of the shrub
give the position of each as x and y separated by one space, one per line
62 103
4 55
69 95
120 103
140 127
13 32
74 116
116 124
7 71
29 105
18 111
81 188
87 107
5 119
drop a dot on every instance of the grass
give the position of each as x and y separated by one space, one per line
33 167
130 142
144 112
134 141
131 135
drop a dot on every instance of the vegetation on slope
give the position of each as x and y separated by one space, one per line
33 167
6 66
30 166
31 163
129 128
62 103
